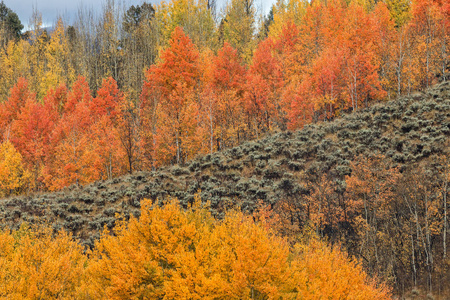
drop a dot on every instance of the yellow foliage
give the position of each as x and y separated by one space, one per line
172 253
13 175
285 11
13 65
368 5
59 69
400 11
175 254
193 16
321 272
239 27
37 265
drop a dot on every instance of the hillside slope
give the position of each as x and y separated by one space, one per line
375 182
406 131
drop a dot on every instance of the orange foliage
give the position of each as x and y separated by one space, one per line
228 84
263 89
107 101
168 96
31 133
80 92
336 56
322 272
72 152
34 264
171 253
10 109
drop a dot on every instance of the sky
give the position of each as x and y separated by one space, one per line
51 9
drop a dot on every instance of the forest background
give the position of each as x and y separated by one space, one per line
139 88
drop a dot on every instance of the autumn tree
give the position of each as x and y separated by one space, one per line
31 132
105 113
361 76
238 27
400 11
430 32
13 65
74 155
10 109
59 68
85 143
327 83
208 106
285 46
169 97
263 89
35 263
172 253
385 35
287 11
228 83
14 178
196 17
317 276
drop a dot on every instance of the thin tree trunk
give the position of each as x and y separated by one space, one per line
444 238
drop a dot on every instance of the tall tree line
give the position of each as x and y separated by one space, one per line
190 82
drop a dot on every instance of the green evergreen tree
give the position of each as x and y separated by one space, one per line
10 25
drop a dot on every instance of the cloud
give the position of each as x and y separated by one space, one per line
51 9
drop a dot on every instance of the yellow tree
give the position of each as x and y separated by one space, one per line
238 27
173 253
58 63
322 272
37 264
399 10
37 54
13 65
285 11
177 254
14 178
196 18
136 262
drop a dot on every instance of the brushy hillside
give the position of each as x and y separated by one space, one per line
406 131
398 227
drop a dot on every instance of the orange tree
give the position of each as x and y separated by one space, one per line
35 264
171 253
168 96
